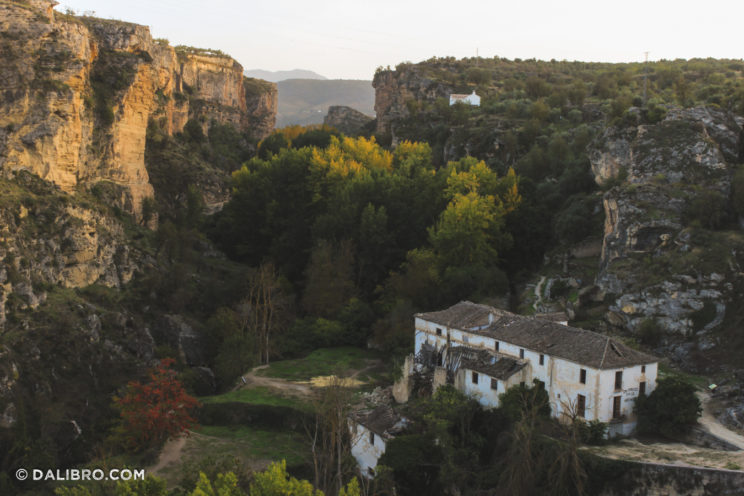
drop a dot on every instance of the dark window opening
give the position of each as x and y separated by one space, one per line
372 438
439 331
581 405
616 407
643 369
494 384
582 376
521 353
619 379
642 388
496 346
521 384
475 377
541 384
542 359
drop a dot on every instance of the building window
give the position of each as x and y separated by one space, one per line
616 407
643 369
541 384
494 384
642 388
372 438
521 384
465 339
582 376
521 353
475 377
542 359
581 405
439 331
496 346
618 380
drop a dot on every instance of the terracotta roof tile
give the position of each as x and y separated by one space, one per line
551 338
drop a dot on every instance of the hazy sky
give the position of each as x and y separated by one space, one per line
349 39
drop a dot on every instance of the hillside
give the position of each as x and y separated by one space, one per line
157 234
112 147
306 101
276 76
641 157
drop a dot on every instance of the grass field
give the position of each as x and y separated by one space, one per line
321 362
258 396
252 443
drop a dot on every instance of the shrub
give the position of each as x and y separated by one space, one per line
670 410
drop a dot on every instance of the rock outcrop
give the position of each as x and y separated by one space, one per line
78 94
393 91
346 119
657 264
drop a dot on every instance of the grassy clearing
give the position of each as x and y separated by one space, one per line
324 361
698 381
258 396
247 442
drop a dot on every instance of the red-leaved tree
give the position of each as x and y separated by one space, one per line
152 413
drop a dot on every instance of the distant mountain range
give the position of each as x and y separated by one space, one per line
306 101
276 76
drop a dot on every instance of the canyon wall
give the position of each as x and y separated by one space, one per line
78 93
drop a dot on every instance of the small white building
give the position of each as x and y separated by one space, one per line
490 350
370 432
471 99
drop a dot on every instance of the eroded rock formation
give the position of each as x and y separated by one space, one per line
672 178
346 119
78 94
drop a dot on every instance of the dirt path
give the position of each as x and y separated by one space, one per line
671 454
709 421
294 388
171 453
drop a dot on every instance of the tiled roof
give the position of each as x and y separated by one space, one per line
493 364
553 316
383 421
578 345
464 315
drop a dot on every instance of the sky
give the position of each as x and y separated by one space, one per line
349 39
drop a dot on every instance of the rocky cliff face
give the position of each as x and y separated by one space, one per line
346 119
79 92
663 261
393 91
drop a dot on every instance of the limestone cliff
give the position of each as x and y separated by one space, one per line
662 258
393 91
346 119
78 94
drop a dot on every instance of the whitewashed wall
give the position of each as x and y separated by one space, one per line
561 377
367 455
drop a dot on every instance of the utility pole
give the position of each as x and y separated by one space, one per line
645 78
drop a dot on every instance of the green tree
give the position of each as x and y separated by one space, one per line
671 409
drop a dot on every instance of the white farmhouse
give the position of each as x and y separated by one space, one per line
370 432
471 99
488 350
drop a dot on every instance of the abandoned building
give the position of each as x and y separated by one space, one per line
370 431
483 351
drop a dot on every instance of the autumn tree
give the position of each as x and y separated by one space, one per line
471 229
155 411
275 481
